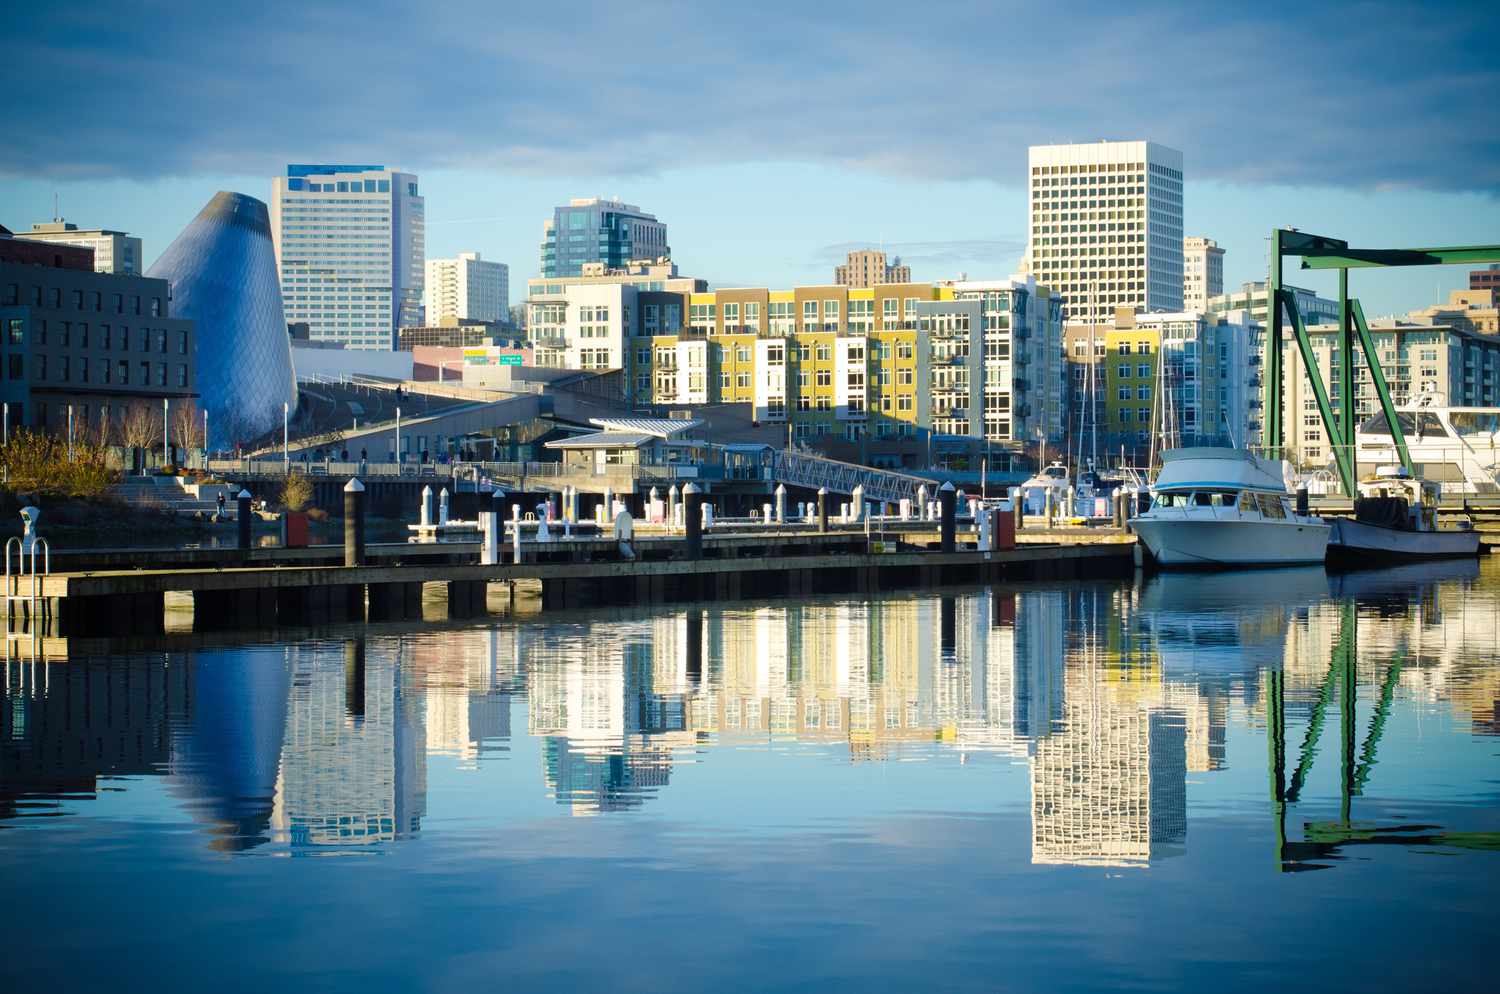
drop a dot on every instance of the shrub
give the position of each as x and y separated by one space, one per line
34 462
297 493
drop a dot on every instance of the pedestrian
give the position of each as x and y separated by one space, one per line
220 512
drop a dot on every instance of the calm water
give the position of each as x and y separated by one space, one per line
1204 782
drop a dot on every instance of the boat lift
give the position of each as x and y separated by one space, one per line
1320 252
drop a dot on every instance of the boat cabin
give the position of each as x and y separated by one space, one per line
1243 502
1393 499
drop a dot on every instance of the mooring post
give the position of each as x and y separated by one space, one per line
692 519
424 512
354 523
242 519
948 505
822 510
515 525
781 503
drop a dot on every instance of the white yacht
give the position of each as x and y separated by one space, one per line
1216 507
1054 478
1395 520
1457 448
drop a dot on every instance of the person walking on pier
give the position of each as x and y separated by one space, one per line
220 512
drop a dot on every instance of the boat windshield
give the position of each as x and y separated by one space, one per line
1055 472
1475 422
1197 498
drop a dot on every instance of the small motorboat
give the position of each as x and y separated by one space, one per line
1395 520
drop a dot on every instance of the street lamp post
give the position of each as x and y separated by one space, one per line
398 441
70 433
166 432
286 458
205 440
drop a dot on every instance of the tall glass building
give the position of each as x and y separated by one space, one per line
603 231
222 270
350 245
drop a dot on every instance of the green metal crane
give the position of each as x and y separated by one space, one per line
1320 252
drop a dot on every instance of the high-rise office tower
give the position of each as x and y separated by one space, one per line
1105 226
1202 272
867 267
114 251
467 288
350 243
599 230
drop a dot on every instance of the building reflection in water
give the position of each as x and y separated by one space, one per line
1111 694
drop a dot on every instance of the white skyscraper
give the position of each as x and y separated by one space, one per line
467 288
350 244
1105 226
1202 272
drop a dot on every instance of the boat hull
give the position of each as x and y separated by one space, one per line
1357 543
1184 543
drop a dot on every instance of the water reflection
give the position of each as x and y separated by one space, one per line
1111 695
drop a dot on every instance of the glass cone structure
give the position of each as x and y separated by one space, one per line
222 269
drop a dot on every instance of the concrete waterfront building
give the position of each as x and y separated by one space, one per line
350 245
867 268
600 230
1251 297
1445 365
584 321
1207 391
222 270
1469 310
103 344
1202 272
114 251
466 287
1105 226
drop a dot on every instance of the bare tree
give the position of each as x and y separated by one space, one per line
187 425
140 426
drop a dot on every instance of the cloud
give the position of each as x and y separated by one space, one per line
1340 94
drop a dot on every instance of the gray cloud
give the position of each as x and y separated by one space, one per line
1365 94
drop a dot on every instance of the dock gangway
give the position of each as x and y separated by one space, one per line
799 469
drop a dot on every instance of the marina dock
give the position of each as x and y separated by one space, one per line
579 572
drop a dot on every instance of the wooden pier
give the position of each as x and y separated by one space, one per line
571 573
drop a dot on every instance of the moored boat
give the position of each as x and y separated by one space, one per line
1395 520
1218 507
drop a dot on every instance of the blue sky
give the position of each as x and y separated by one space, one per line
771 137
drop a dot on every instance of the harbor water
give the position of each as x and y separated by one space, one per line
1238 781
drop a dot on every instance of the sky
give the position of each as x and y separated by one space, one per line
772 137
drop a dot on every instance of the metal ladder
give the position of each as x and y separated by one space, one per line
17 588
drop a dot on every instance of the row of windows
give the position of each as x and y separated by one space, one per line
69 333
81 300
109 372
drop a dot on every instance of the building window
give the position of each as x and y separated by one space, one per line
123 369
182 375
41 368
16 331
17 366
